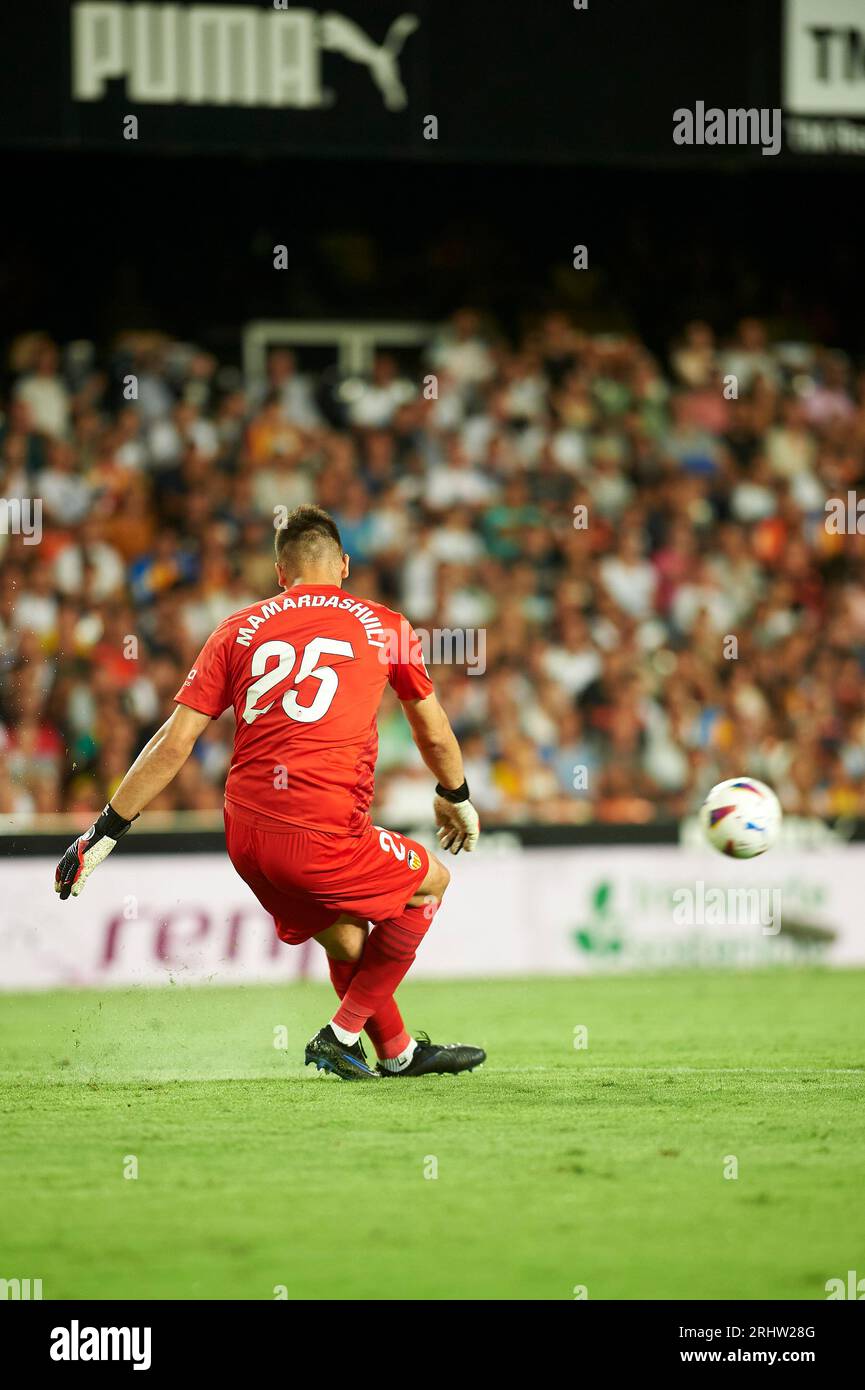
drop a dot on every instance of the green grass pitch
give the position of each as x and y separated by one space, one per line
600 1167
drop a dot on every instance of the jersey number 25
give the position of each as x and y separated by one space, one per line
309 669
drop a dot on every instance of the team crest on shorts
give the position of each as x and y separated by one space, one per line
414 859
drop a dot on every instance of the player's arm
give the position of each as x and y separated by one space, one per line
455 815
159 761
157 764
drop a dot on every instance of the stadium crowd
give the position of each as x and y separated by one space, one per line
639 551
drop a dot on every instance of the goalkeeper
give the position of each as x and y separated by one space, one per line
305 672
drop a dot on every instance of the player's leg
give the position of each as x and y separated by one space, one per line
387 956
398 886
434 885
394 1045
390 950
345 939
265 863
344 943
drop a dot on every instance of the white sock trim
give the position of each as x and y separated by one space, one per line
401 1062
342 1036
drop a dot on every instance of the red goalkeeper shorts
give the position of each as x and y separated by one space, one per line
307 878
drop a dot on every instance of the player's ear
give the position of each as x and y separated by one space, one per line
278 568
345 566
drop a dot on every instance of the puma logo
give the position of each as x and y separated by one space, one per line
341 35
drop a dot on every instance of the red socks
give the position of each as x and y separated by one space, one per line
385 1029
390 950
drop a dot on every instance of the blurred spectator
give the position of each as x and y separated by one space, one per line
43 391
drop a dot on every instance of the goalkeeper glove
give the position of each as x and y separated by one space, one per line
456 818
89 850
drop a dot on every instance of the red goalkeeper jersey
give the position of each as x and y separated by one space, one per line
305 672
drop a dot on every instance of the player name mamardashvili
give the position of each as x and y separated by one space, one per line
368 619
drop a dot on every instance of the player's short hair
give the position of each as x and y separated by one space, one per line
308 537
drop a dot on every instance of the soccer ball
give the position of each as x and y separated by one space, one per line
741 817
